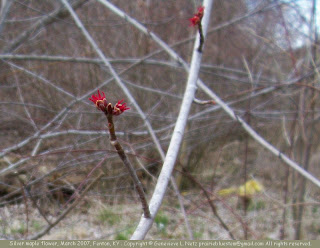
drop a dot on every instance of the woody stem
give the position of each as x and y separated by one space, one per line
201 38
127 163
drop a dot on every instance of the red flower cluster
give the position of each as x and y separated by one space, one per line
196 19
101 103
119 108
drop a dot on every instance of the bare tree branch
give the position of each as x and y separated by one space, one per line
47 20
174 146
215 97
5 7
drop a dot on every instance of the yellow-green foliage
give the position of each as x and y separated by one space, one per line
248 189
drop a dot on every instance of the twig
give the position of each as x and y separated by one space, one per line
213 207
114 141
44 80
204 102
47 20
34 203
25 199
245 161
5 7
201 38
64 214
126 162
184 213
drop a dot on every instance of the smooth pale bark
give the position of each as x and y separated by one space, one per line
174 146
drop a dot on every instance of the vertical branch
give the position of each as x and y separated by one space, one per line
201 38
5 7
290 142
184 213
309 130
109 117
210 202
25 199
169 162
246 200
35 204
297 118
126 162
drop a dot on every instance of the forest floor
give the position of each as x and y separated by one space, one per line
98 220
95 217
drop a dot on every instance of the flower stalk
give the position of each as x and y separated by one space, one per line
109 110
196 21
201 38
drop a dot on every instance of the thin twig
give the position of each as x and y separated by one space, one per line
47 20
65 212
126 162
204 102
201 38
246 200
5 7
34 203
183 211
25 199
210 202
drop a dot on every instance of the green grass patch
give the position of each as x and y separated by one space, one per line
125 235
259 205
122 236
36 225
199 233
19 230
107 216
161 221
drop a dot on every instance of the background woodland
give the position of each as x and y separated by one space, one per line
260 57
